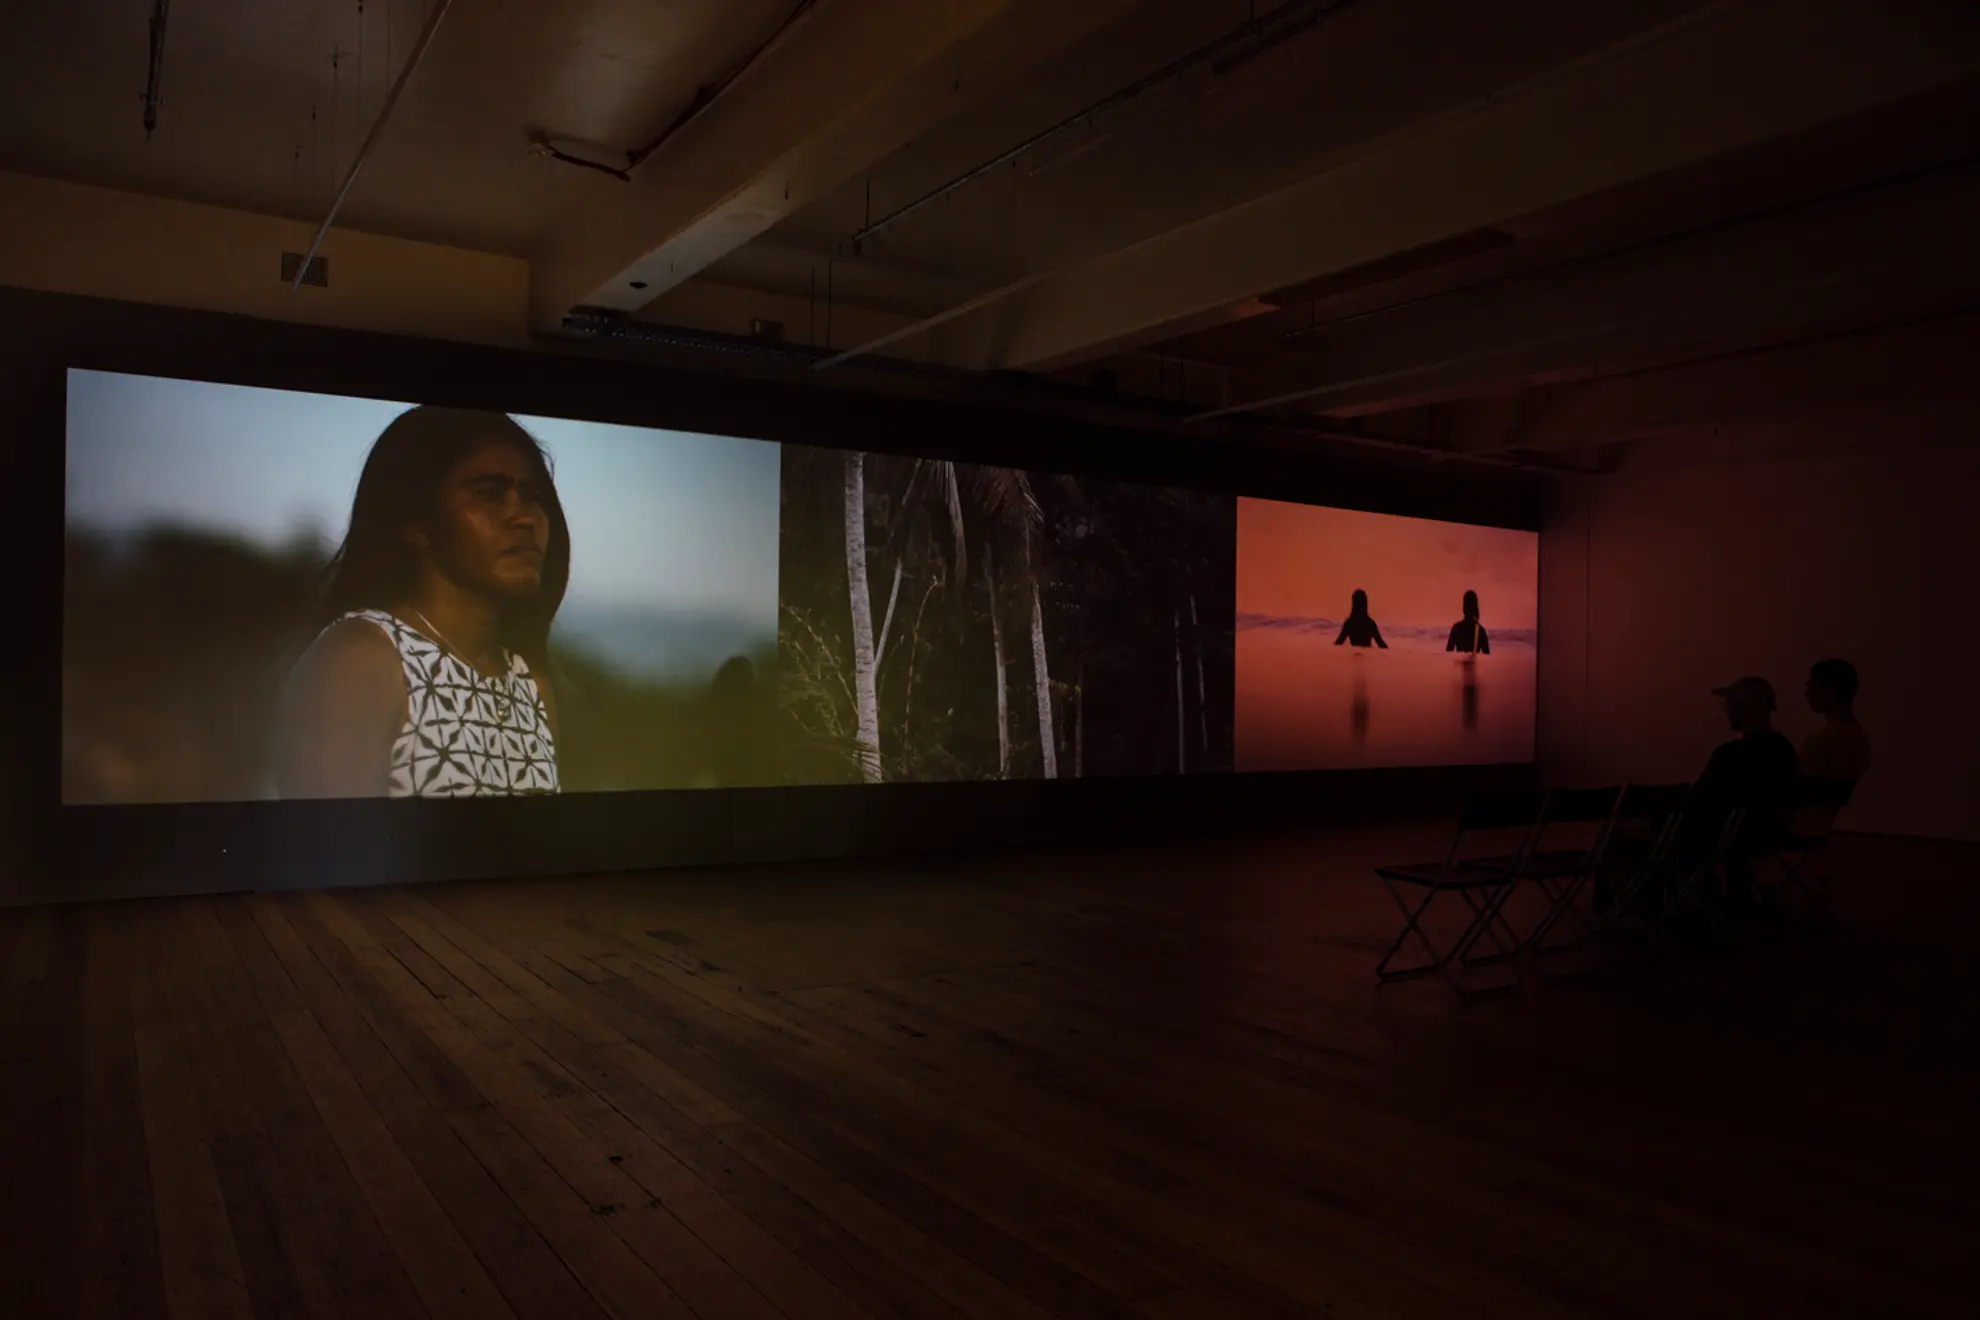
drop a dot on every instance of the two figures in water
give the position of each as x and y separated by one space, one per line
1467 634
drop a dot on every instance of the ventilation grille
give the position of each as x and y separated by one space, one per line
317 274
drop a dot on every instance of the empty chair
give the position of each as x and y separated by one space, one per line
1812 804
1567 851
1637 858
1485 827
1697 883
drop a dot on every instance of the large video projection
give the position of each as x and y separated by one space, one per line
1365 639
272 594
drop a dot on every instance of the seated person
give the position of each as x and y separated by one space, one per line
1839 749
1754 773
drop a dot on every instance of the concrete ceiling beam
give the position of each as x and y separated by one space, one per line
1878 255
1723 78
845 87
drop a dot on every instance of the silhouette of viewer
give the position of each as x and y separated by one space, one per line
1360 629
1752 773
1467 634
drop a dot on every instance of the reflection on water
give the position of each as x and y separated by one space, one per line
1303 703
1358 710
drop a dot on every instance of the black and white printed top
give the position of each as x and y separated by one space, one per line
465 735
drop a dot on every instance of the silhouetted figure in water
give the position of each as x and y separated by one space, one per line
1360 629
1467 634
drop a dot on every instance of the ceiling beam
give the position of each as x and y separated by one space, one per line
1877 255
849 84
1724 78
1914 363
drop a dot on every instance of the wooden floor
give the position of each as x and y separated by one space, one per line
1116 1083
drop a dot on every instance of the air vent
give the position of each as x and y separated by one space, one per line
318 273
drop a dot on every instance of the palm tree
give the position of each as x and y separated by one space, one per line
1041 673
866 693
1202 688
1182 719
1004 509
997 653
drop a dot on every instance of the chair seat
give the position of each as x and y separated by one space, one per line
1552 865
1464 875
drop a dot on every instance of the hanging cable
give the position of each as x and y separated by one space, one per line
153 89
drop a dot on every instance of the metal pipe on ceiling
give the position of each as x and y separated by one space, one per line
1277 26
706 96
438 12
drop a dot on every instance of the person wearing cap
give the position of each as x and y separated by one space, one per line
1754 772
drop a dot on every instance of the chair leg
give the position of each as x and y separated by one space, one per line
1561 907
1487 919
1412 925
1694 893
1447 964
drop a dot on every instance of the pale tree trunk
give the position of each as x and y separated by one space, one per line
866 697
887 619
1079 718
1182 719
1041 674
997 648
1202 690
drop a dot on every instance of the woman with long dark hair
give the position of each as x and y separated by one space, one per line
431 678
1360 629
1467 634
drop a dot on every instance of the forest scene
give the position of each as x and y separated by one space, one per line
177 643
950 621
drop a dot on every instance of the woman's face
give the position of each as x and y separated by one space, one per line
491 527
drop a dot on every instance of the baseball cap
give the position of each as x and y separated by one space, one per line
1750 689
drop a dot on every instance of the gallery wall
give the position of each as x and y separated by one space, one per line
1760 550
945 785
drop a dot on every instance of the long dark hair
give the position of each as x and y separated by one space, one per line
400 487
1358 604
1471 605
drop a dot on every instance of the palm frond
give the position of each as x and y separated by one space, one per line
1006 495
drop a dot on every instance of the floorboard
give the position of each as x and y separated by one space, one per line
1128 1082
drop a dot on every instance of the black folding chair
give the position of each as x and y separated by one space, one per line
1560 872
1812 803
1485 823
1637 862
1698 882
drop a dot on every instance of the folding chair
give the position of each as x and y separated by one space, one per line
1698 888
1559 873
1638 858
1801 841
1483 890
